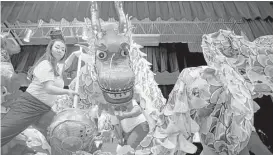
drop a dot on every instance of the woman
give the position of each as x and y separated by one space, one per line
133 123
47 83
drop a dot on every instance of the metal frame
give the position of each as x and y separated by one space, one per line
165 29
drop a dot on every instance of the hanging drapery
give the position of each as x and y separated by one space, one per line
26 59
162 58
166 90
30 54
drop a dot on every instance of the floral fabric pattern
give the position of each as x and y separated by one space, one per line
5 56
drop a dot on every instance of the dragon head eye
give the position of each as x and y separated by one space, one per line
124 53
101 54
125 47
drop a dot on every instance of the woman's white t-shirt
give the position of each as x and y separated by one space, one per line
43 72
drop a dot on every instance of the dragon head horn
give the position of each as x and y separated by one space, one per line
123 22
95 22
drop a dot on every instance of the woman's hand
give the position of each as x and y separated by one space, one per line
53 90
77 53
70 59
120 115
71 93
136 111
84 56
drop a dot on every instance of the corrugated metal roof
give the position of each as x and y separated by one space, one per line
186 21
33 11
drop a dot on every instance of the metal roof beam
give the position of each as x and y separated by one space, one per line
14 35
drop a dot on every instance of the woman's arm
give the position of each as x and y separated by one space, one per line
136 111
53 90
69 61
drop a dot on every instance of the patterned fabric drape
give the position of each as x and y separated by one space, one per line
185 58
163 58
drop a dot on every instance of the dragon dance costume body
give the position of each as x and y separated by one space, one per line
214 100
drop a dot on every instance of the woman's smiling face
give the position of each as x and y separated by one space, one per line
58 50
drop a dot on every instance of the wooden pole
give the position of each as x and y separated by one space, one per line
76 97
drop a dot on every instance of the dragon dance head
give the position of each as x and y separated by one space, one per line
116 70
112 63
